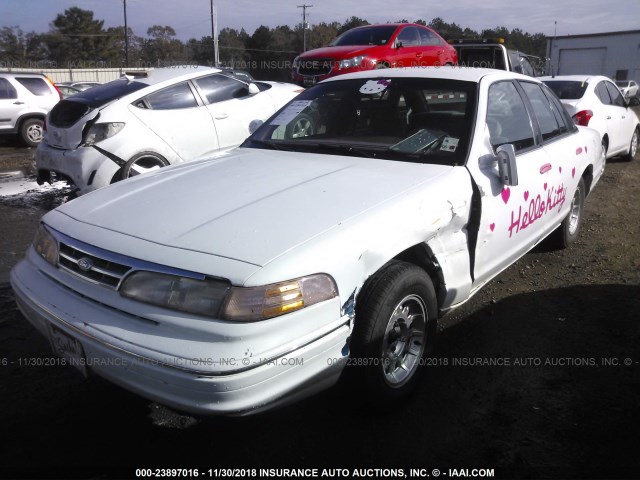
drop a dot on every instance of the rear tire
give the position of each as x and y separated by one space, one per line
396 316
31 132
142 163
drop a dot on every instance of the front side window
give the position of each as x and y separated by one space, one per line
428 38
603 94
409 37
419 120
616 97
172 98
6 90
507 117
219 88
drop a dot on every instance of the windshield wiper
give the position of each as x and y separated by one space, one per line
270 145
345 148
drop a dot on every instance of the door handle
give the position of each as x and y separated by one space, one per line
221 116
418 55
18 102
545 168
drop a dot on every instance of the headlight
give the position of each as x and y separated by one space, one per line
46 245
249 304
102 131
351 62
202 297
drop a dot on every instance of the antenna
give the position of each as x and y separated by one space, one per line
304 25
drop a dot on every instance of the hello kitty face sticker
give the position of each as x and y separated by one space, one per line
374 86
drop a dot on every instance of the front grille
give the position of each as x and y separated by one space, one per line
91 267
315 66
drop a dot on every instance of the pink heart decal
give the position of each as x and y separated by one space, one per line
578 150
573 172
506 193
545 185
560 168
492 226
526 195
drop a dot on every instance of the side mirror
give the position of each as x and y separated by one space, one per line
398 44
253 89
507 165
633 102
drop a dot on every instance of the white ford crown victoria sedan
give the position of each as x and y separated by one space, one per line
344 227
162 117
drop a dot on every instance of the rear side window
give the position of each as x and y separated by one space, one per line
172 98
569 124
218 88
37 86
507 117
6 90
550 121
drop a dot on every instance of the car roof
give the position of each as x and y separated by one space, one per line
449 72
159 75
575 78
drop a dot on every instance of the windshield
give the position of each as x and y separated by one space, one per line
407 119
567 89
365 36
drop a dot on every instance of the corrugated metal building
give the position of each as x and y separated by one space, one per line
614 54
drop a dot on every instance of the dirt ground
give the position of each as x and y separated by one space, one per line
538 376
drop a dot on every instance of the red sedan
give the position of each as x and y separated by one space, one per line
374 46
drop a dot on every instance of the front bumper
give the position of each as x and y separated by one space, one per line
172 381
86 167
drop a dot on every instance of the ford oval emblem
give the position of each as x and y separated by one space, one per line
85 264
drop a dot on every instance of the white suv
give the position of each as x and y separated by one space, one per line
25 100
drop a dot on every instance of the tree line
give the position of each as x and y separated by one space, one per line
77 40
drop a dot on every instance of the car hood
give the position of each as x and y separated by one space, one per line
345 51
249 205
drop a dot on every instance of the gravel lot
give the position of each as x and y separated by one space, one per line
564 403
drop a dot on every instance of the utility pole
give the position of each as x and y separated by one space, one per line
304 25
214 36
126 37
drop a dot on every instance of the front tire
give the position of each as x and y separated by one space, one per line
569 229
633 146
396 316
31 132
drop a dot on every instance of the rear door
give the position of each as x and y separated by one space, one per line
10 106
179 117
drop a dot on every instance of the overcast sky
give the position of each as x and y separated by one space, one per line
192 19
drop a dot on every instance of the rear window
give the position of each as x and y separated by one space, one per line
37 86
102 94
567 89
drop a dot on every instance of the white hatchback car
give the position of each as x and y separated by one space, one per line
342 228
596 102
136 124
